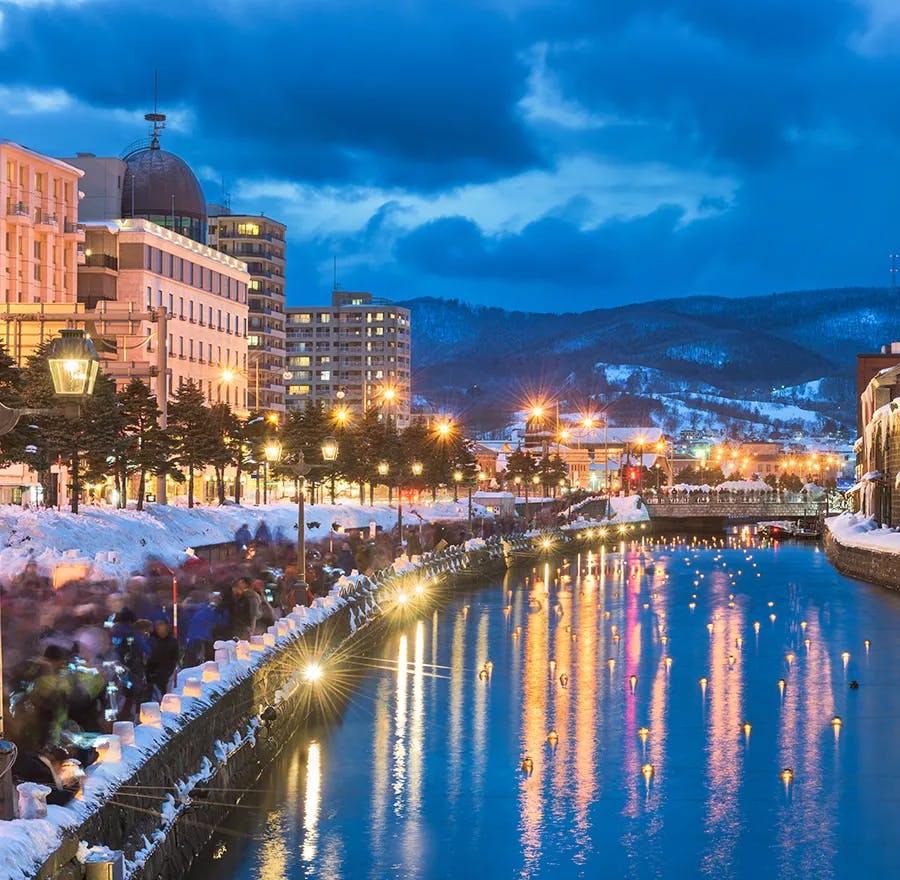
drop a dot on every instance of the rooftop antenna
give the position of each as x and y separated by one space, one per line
894 269
335 285
156 119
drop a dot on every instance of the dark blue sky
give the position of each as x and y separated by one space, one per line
541 154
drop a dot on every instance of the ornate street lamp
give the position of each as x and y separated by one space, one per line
74 364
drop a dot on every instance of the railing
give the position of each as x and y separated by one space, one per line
70 226
101 261
18 209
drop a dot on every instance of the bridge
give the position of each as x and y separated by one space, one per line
715 511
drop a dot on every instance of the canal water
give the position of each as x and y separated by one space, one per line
651 776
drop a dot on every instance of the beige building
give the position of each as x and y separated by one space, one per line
259 241
137 266
354 353
39 238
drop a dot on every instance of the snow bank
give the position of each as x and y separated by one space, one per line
857 530
110 544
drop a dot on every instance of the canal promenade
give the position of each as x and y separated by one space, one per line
224 722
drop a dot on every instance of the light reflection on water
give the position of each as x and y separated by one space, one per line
422 778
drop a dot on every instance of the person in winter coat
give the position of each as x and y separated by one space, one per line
242 537
345 560
130 649
265 614
201 633
163 658
246 609
263 536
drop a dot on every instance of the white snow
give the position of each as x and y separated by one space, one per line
108 544
857 530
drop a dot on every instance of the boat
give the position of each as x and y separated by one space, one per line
785 528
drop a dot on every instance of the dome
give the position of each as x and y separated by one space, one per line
161 187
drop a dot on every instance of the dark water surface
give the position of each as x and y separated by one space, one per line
422 778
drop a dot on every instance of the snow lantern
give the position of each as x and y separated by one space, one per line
211 671
170 703
109 747
192 687
125 731
32 800
243 650
150 714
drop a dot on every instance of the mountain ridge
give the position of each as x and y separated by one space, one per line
471 357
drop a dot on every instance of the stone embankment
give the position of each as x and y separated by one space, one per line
151 822
881 567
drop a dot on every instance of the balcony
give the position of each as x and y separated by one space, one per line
43 218
101 261
18 212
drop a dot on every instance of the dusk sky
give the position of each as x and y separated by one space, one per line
536 154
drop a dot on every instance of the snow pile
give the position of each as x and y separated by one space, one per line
110 544
858 530
622 509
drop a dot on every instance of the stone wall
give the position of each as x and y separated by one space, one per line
875 566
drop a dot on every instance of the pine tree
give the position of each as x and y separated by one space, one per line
224 451
191 432
142 445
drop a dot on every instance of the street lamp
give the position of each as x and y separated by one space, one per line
457 479
272 453
329 454
300 469
74 364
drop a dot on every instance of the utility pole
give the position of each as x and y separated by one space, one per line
162 386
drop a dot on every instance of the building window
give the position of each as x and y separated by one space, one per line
180 346
325 318
181 307
248 229
171 306
191 309
219 318
298 390
302 318
149 297
299 361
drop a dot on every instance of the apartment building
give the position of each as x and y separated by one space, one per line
260 242
353 354
38 227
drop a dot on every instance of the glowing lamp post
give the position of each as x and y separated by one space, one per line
272 453
300 469
329 456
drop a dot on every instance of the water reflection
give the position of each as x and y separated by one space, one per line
423 774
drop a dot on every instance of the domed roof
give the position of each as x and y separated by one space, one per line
152 178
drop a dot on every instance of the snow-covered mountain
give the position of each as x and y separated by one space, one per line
758 365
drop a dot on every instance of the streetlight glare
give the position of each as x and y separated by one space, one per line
312 673
227 375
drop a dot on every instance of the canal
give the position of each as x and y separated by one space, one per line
648 662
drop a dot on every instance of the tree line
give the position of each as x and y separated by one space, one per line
116 436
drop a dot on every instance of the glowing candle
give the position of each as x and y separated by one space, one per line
552 737
192 687
124 730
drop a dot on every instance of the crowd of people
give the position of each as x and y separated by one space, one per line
80 657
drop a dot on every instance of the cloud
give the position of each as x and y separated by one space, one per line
498 150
